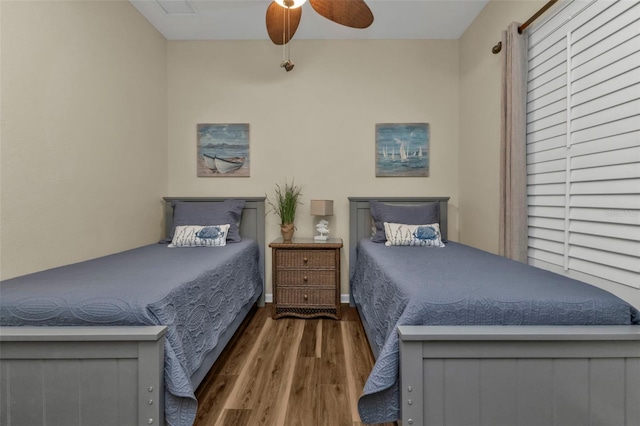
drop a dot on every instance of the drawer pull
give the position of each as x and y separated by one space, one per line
306 297
305 278
305 259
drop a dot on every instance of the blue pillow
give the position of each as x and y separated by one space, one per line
410 215
204 213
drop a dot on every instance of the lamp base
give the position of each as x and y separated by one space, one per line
320 238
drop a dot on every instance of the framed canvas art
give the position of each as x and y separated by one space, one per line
402 149
223 150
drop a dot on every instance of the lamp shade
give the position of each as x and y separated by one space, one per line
322 207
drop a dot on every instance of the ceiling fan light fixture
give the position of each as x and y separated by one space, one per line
290 4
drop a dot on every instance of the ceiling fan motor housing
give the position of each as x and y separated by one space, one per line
282 26
290 4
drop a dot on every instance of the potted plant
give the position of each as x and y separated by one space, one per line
284 204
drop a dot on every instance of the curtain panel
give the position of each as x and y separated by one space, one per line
513 175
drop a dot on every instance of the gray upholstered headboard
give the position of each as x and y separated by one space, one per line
360 218
251 224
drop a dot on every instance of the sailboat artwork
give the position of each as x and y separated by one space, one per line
223 150
402 149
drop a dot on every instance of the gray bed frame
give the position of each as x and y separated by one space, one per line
101 375
510 375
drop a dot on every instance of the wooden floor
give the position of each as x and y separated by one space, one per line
288 372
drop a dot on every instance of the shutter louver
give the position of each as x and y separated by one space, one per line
583 141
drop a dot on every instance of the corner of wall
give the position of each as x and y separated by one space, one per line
479 143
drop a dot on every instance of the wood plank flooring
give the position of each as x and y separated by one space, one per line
288 372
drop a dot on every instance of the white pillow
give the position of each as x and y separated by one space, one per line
200 236
400 234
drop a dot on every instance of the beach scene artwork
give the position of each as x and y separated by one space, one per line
402 149
223 150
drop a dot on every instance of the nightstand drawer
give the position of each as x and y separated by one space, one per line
306 296
313 259
313 278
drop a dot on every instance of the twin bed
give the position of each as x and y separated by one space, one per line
464 337
127 338
460 336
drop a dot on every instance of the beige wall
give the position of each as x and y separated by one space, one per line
94 112
84 134
480 121
316 123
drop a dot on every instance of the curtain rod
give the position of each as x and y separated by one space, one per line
498 47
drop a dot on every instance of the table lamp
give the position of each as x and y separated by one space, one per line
322 208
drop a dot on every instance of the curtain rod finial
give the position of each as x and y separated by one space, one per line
497 48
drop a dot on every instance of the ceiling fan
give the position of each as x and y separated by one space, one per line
283 16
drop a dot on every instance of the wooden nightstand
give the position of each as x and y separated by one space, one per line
306 278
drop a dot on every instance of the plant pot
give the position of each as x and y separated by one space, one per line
287 231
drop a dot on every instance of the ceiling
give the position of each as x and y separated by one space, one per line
245 20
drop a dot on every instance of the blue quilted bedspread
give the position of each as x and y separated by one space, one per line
459 285
196 292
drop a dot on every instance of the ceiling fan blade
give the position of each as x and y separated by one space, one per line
277 19
350 13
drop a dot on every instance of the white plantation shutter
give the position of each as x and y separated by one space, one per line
583 141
